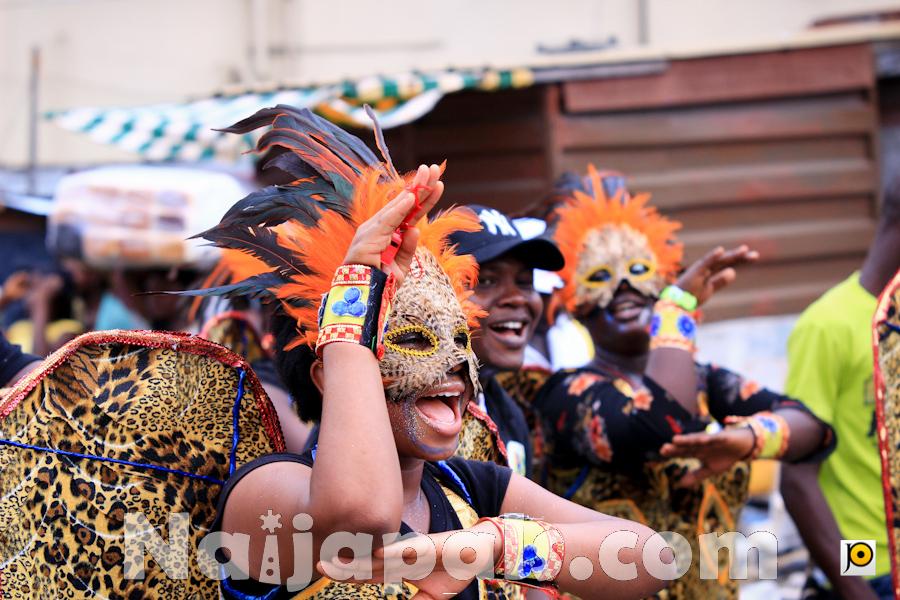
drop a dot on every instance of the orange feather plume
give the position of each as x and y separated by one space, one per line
584 212
321 250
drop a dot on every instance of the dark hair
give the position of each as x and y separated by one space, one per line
890 204
293 367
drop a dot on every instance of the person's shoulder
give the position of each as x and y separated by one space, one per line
572 382
834 310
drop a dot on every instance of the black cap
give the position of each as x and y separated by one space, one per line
499 236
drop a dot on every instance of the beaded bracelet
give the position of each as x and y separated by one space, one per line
356 308
532 549
771 433
685 300
672 327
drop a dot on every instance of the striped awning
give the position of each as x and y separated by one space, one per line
186 131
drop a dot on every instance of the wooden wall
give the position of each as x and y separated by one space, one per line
777 150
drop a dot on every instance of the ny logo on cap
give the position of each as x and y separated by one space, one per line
496 223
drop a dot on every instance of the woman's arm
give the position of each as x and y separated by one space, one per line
608 423
615 572
355 483
584 530
673 368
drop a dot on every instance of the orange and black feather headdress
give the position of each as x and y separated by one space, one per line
285 242
590 208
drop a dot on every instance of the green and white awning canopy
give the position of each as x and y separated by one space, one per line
185 131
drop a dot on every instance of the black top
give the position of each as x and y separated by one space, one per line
597 415
509 418
12 360
482 484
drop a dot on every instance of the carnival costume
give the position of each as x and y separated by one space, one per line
602 430
116 425
294 238
886 338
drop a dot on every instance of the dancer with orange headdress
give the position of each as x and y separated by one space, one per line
385 347
617 431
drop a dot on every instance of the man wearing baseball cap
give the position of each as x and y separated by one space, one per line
505 290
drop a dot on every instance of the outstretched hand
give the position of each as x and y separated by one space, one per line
715 271
717 452
374 236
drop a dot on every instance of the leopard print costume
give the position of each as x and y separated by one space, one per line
653 500
115 423
479 438
234 330
523 386
887 411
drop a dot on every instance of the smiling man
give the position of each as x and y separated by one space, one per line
505 290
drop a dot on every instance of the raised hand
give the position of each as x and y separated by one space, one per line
717 452
374 236
15 287
715 271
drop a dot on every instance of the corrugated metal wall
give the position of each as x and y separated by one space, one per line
777 150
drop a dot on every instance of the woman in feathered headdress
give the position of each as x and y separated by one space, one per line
610 426
381 320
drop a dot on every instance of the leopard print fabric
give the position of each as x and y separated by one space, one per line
161 400
479 438
523 386
653 500
234 331
887 399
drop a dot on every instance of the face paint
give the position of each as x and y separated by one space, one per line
429 369
610 255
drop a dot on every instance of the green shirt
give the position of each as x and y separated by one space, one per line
830 370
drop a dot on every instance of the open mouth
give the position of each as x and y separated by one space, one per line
441 407
627 306
511 332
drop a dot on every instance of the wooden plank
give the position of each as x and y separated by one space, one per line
657 158
512 196
754 183
730 78
761 213
470 169
788 299
768 273
787 241
791 118
478 138
476 105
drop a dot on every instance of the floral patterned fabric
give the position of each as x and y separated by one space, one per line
602 434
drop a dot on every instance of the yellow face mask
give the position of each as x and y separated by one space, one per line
610 255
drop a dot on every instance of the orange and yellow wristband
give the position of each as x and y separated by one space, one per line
532 550
771 434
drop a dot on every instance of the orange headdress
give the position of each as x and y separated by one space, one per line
606 239
286 242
